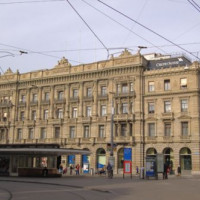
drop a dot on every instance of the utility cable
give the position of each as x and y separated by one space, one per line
194 4
41 53
89 27
24 2
130 30
145 27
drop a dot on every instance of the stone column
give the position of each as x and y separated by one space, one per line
80 107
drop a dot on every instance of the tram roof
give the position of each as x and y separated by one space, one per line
42 151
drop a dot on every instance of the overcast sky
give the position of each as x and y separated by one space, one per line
50 30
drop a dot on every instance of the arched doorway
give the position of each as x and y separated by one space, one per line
101 158
185 159
120 158
169 158
151 152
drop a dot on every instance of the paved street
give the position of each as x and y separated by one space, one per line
96 188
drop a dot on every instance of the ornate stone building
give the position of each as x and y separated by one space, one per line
156 110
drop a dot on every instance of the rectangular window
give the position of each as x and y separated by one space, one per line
46 96
34 98
46 113
60 113
151 107
75 93
151 86
103 110
89 92
184 105
19 134
43 133
125 108
74 112
118 88
167 105
31 133
123 129
88 111
167 129
23 98
22 116
131 87
167 85
184 127
103 90
124 88
101 131
86 132
72 132
151 129
183 83
57 132
33 115
60 95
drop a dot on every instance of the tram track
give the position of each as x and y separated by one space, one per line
8 192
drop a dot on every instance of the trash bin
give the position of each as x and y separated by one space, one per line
142 172
91 171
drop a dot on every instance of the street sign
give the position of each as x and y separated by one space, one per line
127 167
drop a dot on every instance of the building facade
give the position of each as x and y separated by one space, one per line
156 110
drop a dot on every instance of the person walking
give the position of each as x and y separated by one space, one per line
110 170
77 169
165 175
71 169
179 170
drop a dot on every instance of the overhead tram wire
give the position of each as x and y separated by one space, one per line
145 27
67 1
28 2
36 52
194 4
123 26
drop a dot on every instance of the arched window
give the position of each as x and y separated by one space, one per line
101 158
185 159
151 152
120 158
169 158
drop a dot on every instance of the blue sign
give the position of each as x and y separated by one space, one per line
127 154
85 162
71 159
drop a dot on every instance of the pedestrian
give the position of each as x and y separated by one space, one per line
110 170
137 170
71 169
165 175
77 169
60 169
179 170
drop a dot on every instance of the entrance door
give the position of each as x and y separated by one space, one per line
4 166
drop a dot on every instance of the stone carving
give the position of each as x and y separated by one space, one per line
125 53
63 63
9 71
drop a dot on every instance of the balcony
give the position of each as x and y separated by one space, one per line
22 104
45 102
88 98
61 101
102 97
124 117
185 138
168 116
151 139
86 119
33 103
124 94
5 104
124 139
74 99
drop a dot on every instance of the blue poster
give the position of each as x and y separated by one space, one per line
127 154
71 159
85 162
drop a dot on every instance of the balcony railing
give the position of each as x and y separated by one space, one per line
45 102
5 104
33 103
74 99
122 117
88 98
60 100
124 94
